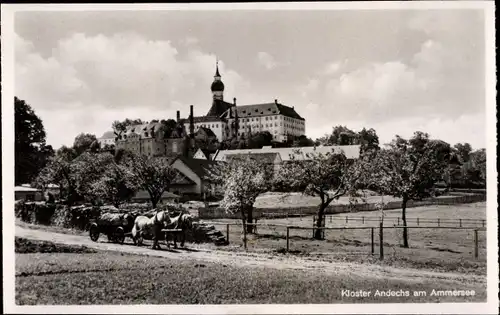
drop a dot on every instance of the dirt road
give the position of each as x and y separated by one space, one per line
257 260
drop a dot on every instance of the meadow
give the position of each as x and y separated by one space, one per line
82 277
431 247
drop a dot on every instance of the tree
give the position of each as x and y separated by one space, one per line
409 169
341 135
168 126
327 176
368 140
121 126
84 142
259 139
463 150
116 184
31 152
89 168
241 179
153 174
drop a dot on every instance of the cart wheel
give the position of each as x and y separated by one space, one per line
120 235
94 232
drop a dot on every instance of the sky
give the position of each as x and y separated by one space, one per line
397 71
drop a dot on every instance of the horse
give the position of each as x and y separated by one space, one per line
183 222
150 226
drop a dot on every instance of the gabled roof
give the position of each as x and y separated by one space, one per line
257 110
218 108
142 129
198 166
268 158
108 135
207 131
351 152
142 194
21 188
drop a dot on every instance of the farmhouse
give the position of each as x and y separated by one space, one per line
193 176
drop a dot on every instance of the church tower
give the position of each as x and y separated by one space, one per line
217 86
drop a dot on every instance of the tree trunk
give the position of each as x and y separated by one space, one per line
405 229
243 221
318 234
250 227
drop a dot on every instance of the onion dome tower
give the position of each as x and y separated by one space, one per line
217 86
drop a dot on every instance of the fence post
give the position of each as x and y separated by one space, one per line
460 222
330 219
476 241
398 221
346 219
363 219
287 239
418 221
373 245
381 235
484 222
438 222
313 226
227 233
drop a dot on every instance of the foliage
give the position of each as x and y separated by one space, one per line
121 126
341 135
31 151
85 142
409 169
153 174
241 180
328 176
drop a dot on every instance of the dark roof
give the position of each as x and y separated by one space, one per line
198 166
262 157
266 109
142 194
208 132
218 108
108 135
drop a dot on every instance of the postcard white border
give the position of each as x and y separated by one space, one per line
490 307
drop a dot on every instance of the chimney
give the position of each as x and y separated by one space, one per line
191 121
178 116
234 101
276 101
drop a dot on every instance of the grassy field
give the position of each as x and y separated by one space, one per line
297 200
444 249
114 278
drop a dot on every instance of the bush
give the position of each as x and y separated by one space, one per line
35 212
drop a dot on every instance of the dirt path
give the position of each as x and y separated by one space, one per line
258 260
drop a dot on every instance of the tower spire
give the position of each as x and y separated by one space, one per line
217 74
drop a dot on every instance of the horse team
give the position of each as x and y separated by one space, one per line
151 228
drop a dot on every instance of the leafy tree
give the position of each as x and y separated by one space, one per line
327 176
259 139
464 150
241 179
153 174
341 135
85 142
368 140
89 168
168 126
31 151
409 169
116 184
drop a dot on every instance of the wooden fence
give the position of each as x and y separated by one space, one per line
381 229
219 213
438 221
